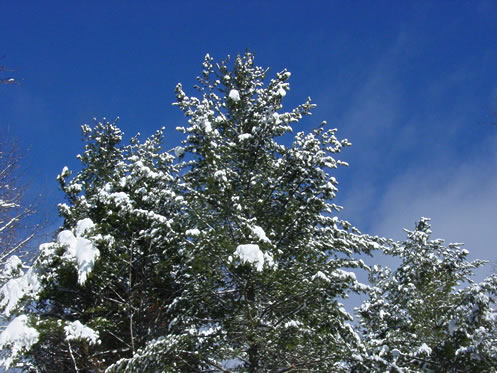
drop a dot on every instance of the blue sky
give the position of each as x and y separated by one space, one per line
413 85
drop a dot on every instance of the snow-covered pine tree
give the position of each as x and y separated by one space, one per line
265 254
99 291
428 315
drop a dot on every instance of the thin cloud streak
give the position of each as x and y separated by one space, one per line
460 199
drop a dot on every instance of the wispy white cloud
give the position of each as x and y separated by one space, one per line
465 193
461 199
429 158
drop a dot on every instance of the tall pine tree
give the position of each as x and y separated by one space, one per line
264 254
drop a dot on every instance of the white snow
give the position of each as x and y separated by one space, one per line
193 232
80 249
250 253
65 172
207 126
120 198
12 266
424 349
83 225
268 259
320 275
344 275
15 289
75 330
221 175
281 92
209 329
17 336
234 95
292 323
260 234
244 136
179 151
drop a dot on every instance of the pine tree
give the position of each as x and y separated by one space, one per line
428 315
264 252
98 292
227 256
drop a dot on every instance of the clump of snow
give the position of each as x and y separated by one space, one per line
292 324
179 151
344 275
260 234
17 337
321 276
75 331
234 95
193 232
64 173
12 267
424 349
80 249
250 253
83 225
209 329
220 175
244 136
268 259
207 126
17 288
463 350
281 92
120 198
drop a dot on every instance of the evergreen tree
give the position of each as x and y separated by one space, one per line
98 292
264 252
228 256
428 315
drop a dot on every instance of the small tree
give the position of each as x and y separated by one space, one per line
427 315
